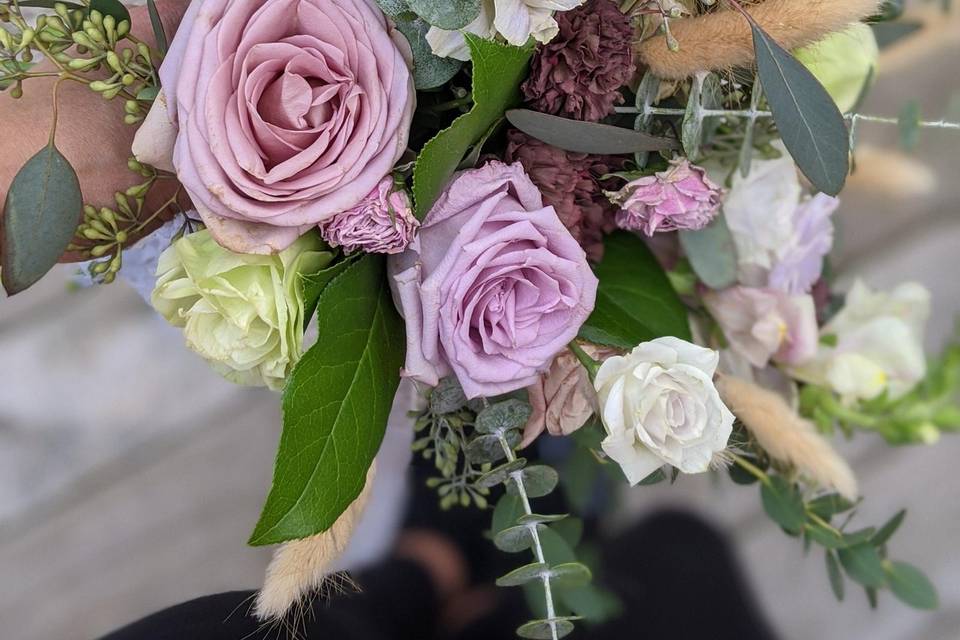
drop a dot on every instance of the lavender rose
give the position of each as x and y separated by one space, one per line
289 111
383 222
682 197
492 287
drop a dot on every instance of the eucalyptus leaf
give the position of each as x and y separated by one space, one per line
111 8
811 125
159 35
335 406
447 396
835 575
859 537
538 481
393 8
446 14
524 574
514 539
863 564
542 629
783 503
712 253
485 448
692 127
48 4
830 505
635 301
503 416
887 530
827 538
40 217
429 70
506 513
910 586
570 575
500 475
536 518
498 70
585 137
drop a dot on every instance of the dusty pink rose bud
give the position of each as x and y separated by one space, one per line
383 222
563 398
286 112
682 197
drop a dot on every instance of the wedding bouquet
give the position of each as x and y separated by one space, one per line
606 221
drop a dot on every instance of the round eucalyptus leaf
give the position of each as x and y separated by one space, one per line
500 475
523 575
446 14
570 575
429 70
514 539
483 449
536 518
503 416
538 481
542 630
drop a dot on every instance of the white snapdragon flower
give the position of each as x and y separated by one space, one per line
659 406
874 343
515 20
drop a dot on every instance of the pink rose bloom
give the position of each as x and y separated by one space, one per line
563 398
287 112
383 222
761 324
682 197
493 286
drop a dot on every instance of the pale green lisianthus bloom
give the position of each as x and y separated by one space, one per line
843 62
243 313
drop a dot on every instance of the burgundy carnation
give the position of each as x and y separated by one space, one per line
570 183
580 72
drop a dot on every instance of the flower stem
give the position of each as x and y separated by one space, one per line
591 365
517 477
751 468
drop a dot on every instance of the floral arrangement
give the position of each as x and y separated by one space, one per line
606 221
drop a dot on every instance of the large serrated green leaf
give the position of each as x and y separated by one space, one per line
635 302
335 406
808 119
498 70
40 217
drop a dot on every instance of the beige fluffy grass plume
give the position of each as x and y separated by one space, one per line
786 436
300 568
722 40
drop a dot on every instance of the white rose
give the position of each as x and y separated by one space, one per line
875 343
515 20
659 405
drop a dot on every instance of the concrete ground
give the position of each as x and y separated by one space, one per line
130 475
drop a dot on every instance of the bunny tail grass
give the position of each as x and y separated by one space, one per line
786 436
301 567
722 40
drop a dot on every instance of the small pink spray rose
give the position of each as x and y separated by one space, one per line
492 287
682 197
383 222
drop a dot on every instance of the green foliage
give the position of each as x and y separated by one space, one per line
585 137
635 301
712 253
39 218
910 585
498 70
783 503
446 14
812 127
908 122
335 406
159 35
429 70
112 8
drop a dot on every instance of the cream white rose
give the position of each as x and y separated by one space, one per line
874 343
659 406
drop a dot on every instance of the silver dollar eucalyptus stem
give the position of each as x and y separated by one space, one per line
517 477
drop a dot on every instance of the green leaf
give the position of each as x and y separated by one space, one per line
504 416
524 574
429 70
910 585
830 505
159 35
446 14
835 575
498 70
447 396
506 513
886 531
335 406
514 539
808 119
908 122
500 475
148 93
393 8
40 217
538 518
538 481
570 529
484 449
825 537
111 8
783 503
656 477
635 302
570 575
864 565
313 285
712 253
585 137
542 630
48 4
859 537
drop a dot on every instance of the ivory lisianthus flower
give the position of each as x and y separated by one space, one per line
659 406
682 197
493 286
287 112
799 263
383 222
243 313
874 343
516 20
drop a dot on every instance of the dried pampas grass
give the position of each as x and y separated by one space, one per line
722 40
786 436
300 568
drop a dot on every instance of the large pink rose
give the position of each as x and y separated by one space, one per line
289 112
493 286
